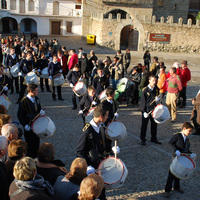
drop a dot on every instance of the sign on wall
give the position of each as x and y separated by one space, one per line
159 37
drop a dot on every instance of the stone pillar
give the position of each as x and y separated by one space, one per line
17 6
110 16
189 22
0 4
8 4
153 19
180 21
26 6
19 28
162 20
127 16
197 23
101 17
118 17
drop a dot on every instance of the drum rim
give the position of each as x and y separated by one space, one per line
122 172
36 119
76 84
89 111
155 108
193 162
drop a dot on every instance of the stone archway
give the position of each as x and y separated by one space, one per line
137 26
9 25
28 25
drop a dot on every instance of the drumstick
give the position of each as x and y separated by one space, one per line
150 112
3 88
108 129
115 153
37 115
102 168
154 99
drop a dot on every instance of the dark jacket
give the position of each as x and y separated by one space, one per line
3 183
100 83
111 107
26 66
54 68
85 67
42 63
10 61
4 80
73 76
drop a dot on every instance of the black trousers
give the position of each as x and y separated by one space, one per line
46 84
183 96
16 79
74 99
171 178
33 142
144 128
58 91
126 66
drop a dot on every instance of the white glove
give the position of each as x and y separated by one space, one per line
193 155
60 71
90 170
39 70
80 112
94 103
6 70
157 98
42 112
71 85
19 74
5 88
50 77
80 79
116 149
177 152
145 115
116 115
34 70
27 128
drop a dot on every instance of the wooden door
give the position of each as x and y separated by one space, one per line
55 28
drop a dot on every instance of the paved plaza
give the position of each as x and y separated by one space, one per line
147 165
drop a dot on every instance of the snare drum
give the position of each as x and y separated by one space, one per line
31 77
114 176
44 73
5 101
89 115
102 95
15 70
116 131
182 167
58 80
161 114
43 127
80 89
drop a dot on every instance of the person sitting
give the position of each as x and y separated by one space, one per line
69 184
28 184
16 150
91 187
47 167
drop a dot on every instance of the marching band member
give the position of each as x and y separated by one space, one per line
11 60
54 68
28 109
180 144
88 101
4 81
149 98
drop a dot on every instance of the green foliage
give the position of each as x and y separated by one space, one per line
198 16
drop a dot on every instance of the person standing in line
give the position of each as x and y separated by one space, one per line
147 59
127 60
149 98
73 60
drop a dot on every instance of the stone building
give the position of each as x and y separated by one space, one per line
46 17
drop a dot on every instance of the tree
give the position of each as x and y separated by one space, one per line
198 16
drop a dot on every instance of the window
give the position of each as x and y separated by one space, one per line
22 6
13 5
4 4
31 5
77 6
55 8
69 27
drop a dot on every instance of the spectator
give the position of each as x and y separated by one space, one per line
127 59
73 59
147 59
4 119
155 66
69 184
10 131
31 184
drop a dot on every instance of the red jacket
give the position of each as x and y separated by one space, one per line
63 63
73 60
185 75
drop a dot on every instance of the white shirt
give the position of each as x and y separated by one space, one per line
110 101
31 98
184 137
150 87
95 126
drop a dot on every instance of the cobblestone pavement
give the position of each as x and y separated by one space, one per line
147 165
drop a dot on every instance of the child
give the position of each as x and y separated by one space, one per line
181 144
88 101
109 104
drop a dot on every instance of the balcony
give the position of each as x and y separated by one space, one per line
141 3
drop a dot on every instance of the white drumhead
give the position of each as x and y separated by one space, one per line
40 124
111 174
79 86
185 161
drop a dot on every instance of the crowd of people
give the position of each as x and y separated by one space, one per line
29 170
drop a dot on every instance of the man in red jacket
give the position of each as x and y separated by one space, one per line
73 60
185 76
63 62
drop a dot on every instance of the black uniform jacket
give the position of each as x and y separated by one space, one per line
42 63
26 66
111 107
73 76
100 83
147 97
90 139
10 61
28 110
4 80
177 143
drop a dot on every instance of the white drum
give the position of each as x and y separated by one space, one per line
80 89
15 70
58 80
89 115
116 131
44 73
31 77
114 176
102 95
43 127
161 114
4 100
182 167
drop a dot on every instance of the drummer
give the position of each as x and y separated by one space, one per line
149 98
73 77
28 109
4 81
180 143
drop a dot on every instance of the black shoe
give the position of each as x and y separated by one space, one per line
156 141
179 190
143 143
74 107
61 99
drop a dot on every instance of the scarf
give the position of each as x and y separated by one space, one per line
37 184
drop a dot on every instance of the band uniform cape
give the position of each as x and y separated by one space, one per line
90 143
